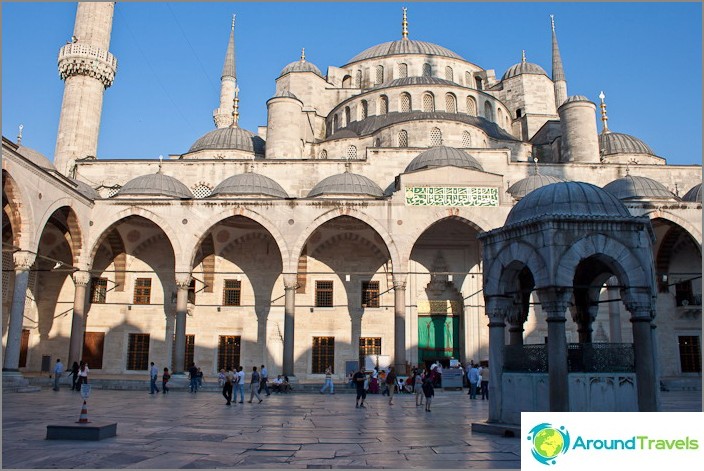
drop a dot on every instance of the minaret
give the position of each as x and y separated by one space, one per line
228 84
88 69
558 74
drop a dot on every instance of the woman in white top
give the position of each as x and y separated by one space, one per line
82 375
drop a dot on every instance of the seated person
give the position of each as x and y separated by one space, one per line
276 384
286 386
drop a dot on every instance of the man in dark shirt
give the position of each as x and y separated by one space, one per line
358 380
193 376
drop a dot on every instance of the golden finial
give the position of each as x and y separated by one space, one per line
303 54
19 136
523 55
604 118
552 22
404 24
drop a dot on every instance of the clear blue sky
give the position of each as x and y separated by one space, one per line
647 57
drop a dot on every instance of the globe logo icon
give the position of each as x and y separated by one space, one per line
548 442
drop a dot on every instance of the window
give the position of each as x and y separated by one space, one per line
450 103
93 346
466 139
683 293
323 354
188 354
690 354
24 348
468 79
228 351
335 123
519 113
428 102
471 106
348 115
142 290
478 81
365 109
138 352
435 137
449 74
402 70
323 154
98 290
346 81
500 115
379 74
383 104
488 111
369 346
405 103
358 79
403 138
427 70
351 152
201 191
323 294
370 293
192 292
232 293
113 191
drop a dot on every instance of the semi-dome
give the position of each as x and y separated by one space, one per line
523 68
524 186
301 66
85 189
229 138
567 199
619 143
156 184
249 183
35 157
633 187
346 184
694 195
404 46
442 156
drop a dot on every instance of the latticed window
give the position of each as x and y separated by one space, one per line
358 79
365 109
488 111
690 354
405 103
369 346
450 103
142 290
402 70
435 137
468 79
403 138
7 265
323 354
466 139
383 104
98 290
232 293
335 123
228 351
351 152
138 352
428 103
188 353
370 293
113 191
379 74
427 70
201 191
323 154
449 74
323 294
471 106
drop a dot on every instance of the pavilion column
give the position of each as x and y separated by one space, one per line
643 345
555 302
399 323
290 285
183 282
614 311
584 317
516 319
23 261
81 279
497 308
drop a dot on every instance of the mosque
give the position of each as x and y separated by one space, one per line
407 203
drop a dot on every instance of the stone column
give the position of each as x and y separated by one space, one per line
183 281
497 308
23 261
614 311
554 303
647 382
516 318
584 317
290 284
81 279
399 323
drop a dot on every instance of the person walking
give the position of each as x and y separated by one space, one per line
239 383
153 373
418 387
193 376
328 381
359 379
74 375
391 384
199 379
254 385
485 383
227 386
263 382
165 380
429 392
473 377
82 375
58 371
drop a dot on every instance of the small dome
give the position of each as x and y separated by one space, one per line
442 156
523 68
230 138
156 184
631 187
694 194
574 98
249 184
36 157
301 66
85 189
522 187
567 199
285 94
619 143
404 46
346 184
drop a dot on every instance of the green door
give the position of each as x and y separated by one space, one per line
438 337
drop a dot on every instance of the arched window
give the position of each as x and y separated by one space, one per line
519 113
508 122
347 81
383 104
405 103
348 115
403 138
435 137
500 115
488 111
377 142
471 106
468 79
450 103
335 123
466 139
351 152
365 109
201 191
478 81
427 70
323 154
449 74
402 70
358 79
428 102
379 74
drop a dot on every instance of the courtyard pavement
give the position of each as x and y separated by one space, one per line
183 430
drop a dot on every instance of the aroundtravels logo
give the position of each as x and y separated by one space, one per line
548 442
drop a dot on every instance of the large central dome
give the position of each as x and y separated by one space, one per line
404 46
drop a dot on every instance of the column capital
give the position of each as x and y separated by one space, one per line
640 310
290 281
399 280
23 260
516 316
183 280
81 278
555 301
498 308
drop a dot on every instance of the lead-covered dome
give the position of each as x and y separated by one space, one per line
346 184
85 189
251 184
156 184
35 157
524 186
523 67
567 199
230 138
442 156
694 195
301 66
404 46
619 143
633 187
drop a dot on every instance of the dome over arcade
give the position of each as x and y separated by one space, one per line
35 157
85 189
346 184
249 183
156 184
619 143
523 67
633 187
404 46
301 65
567 199
442 156
694 195
229 138
524 186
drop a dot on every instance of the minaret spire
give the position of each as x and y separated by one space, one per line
558 74
523 55
303 54
224 116
404 24
604 118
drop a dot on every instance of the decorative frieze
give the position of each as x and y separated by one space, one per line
451 196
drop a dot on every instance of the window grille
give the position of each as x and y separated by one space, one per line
7 264
369 346
405 103
138 352
402 70
335 123
142 290
471 106
358 79
323 154
466 139
188 353
379 74
365 109
323 294
468 79
351 152
229 351
428 103
403 138
383 105
113 191
348 115
98 290
370 293
323 354
690 354
449 74
427 70
232 293
450 103
201 191
488 111
435 137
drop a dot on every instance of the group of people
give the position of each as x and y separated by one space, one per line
478 378
421 385
234 381
78 373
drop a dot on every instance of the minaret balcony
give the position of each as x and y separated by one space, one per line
85 59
